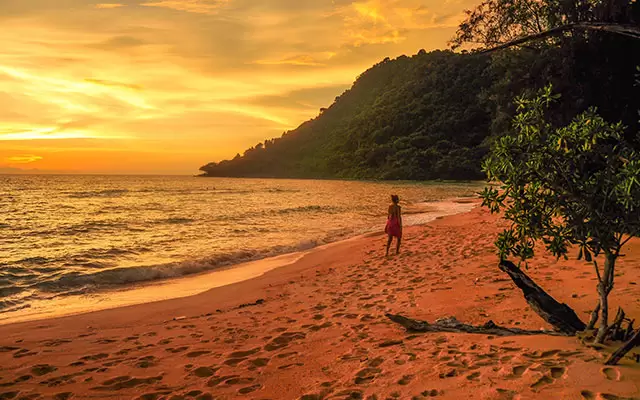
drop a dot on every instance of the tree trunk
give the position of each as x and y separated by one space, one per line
604 288
618 354
560 316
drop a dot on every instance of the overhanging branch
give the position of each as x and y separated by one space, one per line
624 30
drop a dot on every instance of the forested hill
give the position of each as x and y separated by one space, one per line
419 117
434 115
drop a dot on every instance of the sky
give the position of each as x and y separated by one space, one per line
166 86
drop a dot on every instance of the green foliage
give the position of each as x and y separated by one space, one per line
577 184
414 117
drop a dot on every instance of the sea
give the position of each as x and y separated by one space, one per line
72 235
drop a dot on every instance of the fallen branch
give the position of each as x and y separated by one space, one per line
622 351
559 315
453 325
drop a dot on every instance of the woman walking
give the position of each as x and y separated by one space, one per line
394 223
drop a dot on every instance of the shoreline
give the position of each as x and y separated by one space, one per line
316 329
193 284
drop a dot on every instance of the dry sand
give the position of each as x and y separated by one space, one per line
320 331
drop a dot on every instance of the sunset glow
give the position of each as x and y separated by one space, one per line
165 86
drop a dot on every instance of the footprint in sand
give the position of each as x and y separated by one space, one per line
177 349
366 375
24 353
406 380
8 395
311 397
473 376
126 382
587 395
234 362
205 372
146 362
557 372
249 389
283 340
63 396
259 363
612 374
216 380
376 362
95 357
519 370
543 381
238 381
609 396
198 353
42 369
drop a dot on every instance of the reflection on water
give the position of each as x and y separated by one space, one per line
64 235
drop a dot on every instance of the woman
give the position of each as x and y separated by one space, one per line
394 223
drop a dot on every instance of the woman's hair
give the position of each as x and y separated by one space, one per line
395 198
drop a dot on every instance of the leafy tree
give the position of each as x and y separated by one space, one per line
574 185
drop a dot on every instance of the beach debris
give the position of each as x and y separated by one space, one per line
180 318
451 324
622 351
255 303
559 315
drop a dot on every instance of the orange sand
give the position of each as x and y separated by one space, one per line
321 332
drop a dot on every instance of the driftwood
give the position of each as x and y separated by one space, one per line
622 351
453 325
560 316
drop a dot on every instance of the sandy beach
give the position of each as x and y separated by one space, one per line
316 329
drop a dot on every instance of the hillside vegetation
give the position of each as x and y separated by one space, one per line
434 115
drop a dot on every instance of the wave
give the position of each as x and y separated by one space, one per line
177 220
99 193
123 276
306 209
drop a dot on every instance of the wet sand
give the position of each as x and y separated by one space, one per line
315 329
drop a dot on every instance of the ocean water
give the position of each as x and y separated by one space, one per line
71 235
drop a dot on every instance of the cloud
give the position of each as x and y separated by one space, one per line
301 59
22 159
104 82
119 42
192 6
197 80
109 5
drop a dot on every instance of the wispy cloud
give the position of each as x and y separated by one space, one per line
109 5
105 82
22 159
192 6
301 59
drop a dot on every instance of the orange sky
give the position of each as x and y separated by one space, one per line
165 86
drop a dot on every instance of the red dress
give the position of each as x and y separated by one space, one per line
393 227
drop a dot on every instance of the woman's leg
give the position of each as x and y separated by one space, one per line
389 243
398 245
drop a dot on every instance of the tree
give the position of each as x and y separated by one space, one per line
574 185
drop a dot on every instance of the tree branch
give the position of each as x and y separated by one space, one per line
625 30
